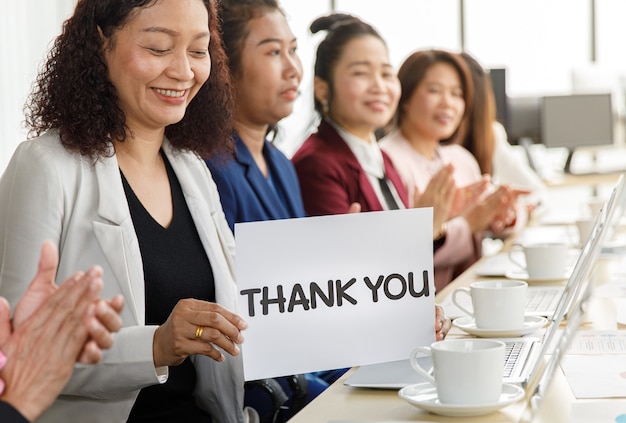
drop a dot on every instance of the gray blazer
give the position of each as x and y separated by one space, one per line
47 192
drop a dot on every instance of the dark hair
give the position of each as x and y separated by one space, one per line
341 29
235 15
413 71
480 138
73 93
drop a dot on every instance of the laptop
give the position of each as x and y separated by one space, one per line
524 354
529 363
615 208
543 373
541 300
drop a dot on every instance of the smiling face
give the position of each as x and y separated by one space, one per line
435 109
158 61
365 89
271 71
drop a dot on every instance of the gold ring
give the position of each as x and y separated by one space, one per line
199 330
442 191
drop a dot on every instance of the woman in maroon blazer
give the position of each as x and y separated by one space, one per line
357 92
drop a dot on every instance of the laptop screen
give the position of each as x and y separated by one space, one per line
578 292
537 388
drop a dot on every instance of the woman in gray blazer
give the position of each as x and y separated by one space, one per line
133 93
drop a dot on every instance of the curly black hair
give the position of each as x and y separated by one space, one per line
73 93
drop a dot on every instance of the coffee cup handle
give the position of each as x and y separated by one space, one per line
419 369
456 303
513 249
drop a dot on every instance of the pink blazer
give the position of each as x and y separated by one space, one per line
462 248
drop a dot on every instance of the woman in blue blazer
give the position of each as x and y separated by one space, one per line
259 182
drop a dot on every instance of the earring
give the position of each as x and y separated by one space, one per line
325 107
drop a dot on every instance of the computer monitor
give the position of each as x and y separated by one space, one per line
577 120
524 119
498 83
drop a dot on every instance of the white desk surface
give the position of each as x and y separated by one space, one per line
342 404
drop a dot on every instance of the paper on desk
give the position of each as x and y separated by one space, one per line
329 292
613 411
598 342
596 376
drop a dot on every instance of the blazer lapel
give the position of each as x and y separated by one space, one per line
334 140
117 238
396 180
286 181
267 198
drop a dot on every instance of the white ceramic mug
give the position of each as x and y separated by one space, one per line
584 227
545 260
497 304
465 371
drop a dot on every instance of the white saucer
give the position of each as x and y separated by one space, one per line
522 275
531 324
424 395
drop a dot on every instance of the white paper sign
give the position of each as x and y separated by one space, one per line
330 292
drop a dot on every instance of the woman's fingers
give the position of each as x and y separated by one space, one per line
106 319
197 327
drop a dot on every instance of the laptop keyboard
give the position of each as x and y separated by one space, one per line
512 352
542 299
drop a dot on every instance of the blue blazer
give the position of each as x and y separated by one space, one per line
246 195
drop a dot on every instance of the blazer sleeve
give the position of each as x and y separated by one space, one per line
8 414
323 187
459 244
31 199
38 204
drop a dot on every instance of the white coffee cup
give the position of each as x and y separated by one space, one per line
497 304
465 371
595 206
584 227
546 260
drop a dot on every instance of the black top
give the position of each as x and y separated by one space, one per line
175 266
8 414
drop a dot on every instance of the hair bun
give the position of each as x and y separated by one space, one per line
328 23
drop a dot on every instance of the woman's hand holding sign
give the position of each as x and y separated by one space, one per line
197 327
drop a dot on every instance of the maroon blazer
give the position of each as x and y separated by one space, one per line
331 177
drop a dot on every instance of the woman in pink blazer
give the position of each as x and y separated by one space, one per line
437 90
